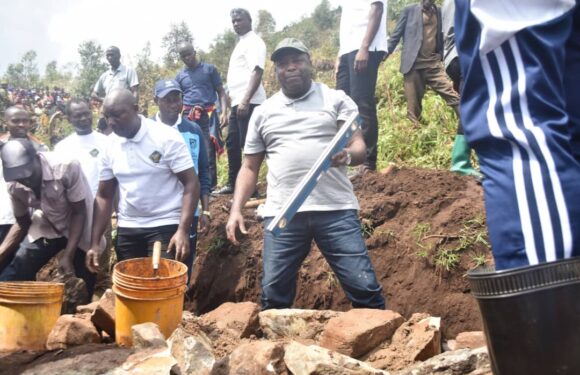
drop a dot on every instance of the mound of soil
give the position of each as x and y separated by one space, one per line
424 230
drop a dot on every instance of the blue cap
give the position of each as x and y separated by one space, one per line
165 86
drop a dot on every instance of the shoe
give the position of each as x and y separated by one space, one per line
460 162
225 190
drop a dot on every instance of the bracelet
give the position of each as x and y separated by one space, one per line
206 213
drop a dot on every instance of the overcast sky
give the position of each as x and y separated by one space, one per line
55 28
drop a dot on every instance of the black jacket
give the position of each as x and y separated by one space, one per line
410 28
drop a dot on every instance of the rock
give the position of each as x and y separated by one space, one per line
87 309
99 360
294 323
69 331
310 360
192 352
258 358
104 315
416 340
358 331
147 335
75 293
470 340
463 361
149 361
427 336
238 319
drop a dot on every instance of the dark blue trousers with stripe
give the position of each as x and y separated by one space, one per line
520 109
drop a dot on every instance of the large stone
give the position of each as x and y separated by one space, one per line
314 360
193 352
294 323
75 293
87 309
147 335
358 331
104 315
95 360
258 358
470 340
459 362
416 340
238 319
71 330
148 361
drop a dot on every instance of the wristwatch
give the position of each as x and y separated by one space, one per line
348 158
206 213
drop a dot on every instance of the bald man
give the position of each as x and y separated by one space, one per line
159 190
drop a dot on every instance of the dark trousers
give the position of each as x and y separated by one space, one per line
237 129
31 257
203 123
338 235
361 88
138 243
454 72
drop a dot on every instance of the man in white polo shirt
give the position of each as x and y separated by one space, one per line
84 145
245 89
159 189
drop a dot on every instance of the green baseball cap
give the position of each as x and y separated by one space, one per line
288 43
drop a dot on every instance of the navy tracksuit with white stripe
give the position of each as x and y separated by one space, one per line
520 109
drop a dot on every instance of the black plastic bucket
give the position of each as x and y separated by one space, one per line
531 317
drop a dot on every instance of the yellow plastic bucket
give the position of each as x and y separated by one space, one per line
140 297
28 312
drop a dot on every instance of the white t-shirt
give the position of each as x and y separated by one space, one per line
88 150
249 53
146 168
353 26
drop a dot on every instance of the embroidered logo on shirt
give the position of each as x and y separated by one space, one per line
94 152
155 157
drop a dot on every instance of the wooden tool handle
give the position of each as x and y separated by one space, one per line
156 254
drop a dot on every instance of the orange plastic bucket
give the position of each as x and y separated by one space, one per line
28 312
140 297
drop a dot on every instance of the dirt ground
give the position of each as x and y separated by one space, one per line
424 230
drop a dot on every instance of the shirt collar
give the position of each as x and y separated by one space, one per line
288 100
119 68
158 119
246 35
140 133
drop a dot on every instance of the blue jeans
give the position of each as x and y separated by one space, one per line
338 235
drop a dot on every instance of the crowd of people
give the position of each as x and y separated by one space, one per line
158 173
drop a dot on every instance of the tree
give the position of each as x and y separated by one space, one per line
30 69
266 24
51 73
221 50
91 68
148 73
324 17
15 75
25 73
178 34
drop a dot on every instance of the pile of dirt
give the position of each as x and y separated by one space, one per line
424 230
